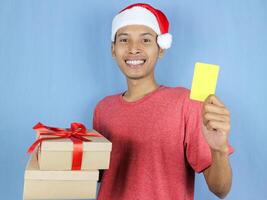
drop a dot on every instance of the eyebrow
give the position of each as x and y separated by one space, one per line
122 34
147 34
126 34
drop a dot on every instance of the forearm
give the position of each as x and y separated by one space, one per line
219 175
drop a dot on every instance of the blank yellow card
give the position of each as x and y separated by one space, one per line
204 81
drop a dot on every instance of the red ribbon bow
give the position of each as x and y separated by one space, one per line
76 133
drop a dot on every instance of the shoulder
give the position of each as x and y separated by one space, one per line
185 93
190 106
107 101
182 95
177 92
176 89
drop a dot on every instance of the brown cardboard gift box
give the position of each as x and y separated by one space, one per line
58 184
57 154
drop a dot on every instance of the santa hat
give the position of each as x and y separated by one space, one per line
144 14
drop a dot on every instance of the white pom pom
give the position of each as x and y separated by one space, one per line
164 40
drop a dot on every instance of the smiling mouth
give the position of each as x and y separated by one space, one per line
135 63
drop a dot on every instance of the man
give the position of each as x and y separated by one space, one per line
160 137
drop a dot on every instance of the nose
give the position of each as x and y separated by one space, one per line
134 48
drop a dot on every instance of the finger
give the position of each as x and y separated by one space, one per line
218 125
214 116
216 109
212 99
210 128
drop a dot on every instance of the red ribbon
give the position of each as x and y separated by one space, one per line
76 133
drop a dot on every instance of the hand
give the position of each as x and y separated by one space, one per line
216 123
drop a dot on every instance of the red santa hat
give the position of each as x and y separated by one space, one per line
144 14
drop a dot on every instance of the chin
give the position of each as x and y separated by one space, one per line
134 77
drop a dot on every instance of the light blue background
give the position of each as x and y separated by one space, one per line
55 64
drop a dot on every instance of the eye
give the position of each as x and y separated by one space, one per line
146 40
123 40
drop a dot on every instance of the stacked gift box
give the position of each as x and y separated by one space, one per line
64 163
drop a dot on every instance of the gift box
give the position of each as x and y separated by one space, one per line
58 154
58 184
61 149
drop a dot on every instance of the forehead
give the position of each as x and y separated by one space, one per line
135 29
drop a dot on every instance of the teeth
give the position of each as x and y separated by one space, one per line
135 62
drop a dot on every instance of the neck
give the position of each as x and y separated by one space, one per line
139 88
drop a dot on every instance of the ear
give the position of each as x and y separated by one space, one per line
161 52
113 49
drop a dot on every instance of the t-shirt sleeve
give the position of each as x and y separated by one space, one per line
96 126
198 152
98 119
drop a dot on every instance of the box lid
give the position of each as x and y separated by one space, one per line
65 144
34 173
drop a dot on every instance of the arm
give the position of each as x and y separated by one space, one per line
216 127
219 175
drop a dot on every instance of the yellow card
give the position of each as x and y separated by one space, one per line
204 81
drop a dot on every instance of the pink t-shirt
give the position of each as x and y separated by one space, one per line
157 145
